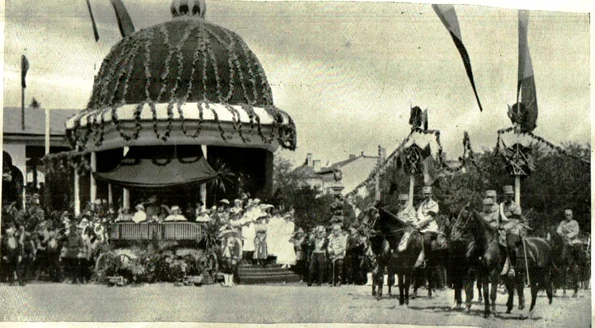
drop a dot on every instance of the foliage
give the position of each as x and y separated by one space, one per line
560 181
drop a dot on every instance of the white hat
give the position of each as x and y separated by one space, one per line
508 189
256 201
426 190
141 206
491 193
83 224
175 208
224 201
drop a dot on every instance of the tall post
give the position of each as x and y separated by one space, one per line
203 186
47 131
23 108
378 163
411 185
77 196
517 178
93 191
125 191
110 196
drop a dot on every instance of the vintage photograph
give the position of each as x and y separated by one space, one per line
293 162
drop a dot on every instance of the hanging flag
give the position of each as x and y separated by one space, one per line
93 22
429 166
526 93
448 16
24 69
124 21
424 120
415 117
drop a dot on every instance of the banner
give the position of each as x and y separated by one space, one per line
124 21
448 16
526 93
24 69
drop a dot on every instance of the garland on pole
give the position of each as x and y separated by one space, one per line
414 158
65 161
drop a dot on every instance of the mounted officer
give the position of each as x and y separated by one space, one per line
511 218
426 219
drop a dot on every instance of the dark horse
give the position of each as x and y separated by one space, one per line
380 248
403 260
571 262
485 244
534 255
464 260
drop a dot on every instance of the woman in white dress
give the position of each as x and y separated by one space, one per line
286 255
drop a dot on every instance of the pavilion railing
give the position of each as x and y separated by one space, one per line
128 231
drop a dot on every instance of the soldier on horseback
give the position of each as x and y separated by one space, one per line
510 216
568 230
426 219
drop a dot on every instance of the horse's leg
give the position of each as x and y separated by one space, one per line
520 285
391 278
401 289
479 291
407 281
457 284
429 275
534 290
486 294
575 280
510 282
469 287
495 275
547 280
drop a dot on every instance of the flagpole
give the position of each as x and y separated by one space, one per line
23 108
47 131
517 178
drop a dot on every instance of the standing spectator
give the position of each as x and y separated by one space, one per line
74 246
318 245
248 234
336 249
286 256
299 242
232 251
260 241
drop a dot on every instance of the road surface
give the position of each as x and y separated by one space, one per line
281 303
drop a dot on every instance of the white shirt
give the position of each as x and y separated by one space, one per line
175 217
423 214
139 216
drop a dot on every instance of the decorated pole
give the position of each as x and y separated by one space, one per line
517 177
203 186
377 195
93 191
77 199
411 187
125 191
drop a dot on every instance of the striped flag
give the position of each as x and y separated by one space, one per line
124 21
24 69
448 16
526 93
431 173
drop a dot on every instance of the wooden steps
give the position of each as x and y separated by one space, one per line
255 274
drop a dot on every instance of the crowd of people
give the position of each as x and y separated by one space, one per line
249 232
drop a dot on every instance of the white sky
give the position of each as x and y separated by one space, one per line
346 72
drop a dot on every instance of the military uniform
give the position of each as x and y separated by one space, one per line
337 247
426 219
231 254
569 230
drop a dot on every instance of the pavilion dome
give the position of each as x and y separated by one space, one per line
184 74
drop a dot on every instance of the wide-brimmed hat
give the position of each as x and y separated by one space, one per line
256 201
175 208
224 201
491 193
139 206
235 210
237 201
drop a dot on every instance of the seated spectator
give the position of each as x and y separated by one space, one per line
203 216
176 215
140 214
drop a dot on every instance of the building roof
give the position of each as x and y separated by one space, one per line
306 171
35 120
342 163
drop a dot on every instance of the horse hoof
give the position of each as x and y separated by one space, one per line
521 307
401 302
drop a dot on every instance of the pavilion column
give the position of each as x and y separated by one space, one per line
77 196
203 187
93 191
110 197
125 191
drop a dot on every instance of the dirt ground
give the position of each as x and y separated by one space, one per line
282 303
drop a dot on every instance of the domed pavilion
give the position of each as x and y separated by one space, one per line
173 106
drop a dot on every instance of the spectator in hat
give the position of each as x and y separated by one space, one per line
140 215
569 231
260 241
300 247
248 234
175 215
318 246
231 254
337 246
508 208
203 216
286 255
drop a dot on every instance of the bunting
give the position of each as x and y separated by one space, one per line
448 16
124 21
526 93
95 33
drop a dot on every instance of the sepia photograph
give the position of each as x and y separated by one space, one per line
296 162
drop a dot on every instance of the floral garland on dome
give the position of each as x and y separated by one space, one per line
118 70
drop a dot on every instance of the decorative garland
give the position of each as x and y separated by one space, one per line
62 162
118 67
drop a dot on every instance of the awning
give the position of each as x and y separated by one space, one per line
137 172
